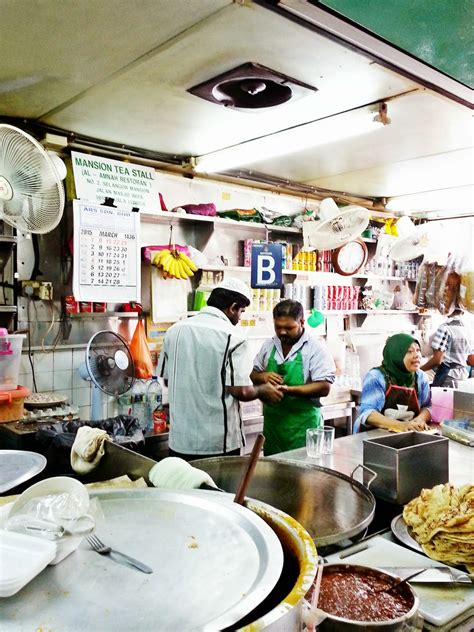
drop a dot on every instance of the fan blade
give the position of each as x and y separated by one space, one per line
37 200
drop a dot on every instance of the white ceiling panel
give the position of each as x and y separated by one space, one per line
424 128
53 50
148 106
118 71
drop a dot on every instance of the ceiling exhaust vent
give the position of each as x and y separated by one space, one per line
250 87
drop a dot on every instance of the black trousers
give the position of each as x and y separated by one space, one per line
194 457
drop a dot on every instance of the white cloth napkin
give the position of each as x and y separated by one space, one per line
88 449
176 473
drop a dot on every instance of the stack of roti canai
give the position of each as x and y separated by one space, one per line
442 522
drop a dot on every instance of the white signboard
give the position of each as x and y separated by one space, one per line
130 185
106 254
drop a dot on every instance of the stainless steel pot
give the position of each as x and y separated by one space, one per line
281 610
405 622
329 505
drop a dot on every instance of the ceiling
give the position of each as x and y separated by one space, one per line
119 72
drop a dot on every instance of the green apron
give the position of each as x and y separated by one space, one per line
285 424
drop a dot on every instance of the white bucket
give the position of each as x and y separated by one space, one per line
10 357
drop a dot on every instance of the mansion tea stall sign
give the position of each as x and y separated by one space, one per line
266 266
129 185
106 253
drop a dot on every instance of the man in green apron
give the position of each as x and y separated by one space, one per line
303 368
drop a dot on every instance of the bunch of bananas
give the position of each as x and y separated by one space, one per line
174 264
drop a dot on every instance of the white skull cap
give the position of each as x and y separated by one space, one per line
235 285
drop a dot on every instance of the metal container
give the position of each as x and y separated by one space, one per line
329 505
281 610
405 463
405 622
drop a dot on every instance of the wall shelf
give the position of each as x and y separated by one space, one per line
92 315
163 217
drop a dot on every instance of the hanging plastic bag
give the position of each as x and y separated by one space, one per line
466 290
141 353
447 284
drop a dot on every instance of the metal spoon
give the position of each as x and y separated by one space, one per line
399 582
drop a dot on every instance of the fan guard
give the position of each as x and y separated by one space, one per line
31 192
410 247
110 363
412 241
335 226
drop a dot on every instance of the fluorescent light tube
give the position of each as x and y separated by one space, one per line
288 141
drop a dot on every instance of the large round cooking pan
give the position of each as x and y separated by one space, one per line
331 506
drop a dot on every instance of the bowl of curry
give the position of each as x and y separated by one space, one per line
356 597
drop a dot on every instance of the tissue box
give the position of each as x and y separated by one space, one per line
405 463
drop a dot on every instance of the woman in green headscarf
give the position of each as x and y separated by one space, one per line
396 395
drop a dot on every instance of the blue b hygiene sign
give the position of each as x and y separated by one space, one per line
266 266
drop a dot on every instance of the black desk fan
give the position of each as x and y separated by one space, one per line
109 366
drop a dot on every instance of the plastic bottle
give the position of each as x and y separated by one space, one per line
153 402
139 402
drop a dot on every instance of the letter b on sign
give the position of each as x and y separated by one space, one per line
266 265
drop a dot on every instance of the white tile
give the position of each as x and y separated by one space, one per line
67 392
78 357
44 381
43 362
84 412
62 380
63 360
81 396
26 380
77 381
25 366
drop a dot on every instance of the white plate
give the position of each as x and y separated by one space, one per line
401 531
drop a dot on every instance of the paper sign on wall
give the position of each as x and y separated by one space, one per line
129 185
106 254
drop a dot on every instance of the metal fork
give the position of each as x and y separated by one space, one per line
99 547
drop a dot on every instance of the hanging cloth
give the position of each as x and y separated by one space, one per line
285 423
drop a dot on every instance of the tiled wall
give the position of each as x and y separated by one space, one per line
59 371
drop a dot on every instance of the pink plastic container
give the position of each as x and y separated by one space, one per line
442 400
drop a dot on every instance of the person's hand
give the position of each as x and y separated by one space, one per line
269 377
270 394
417 424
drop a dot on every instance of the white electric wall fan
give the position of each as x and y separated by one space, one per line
412 241
335 226
31 192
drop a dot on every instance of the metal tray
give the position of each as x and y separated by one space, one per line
460 430
329 505
18 466
401 531
213 562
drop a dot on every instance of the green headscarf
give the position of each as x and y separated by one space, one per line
393 367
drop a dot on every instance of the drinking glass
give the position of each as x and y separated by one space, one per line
319 441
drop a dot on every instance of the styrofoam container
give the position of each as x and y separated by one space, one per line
22 557
10 357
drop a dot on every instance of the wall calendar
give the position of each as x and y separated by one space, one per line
106 253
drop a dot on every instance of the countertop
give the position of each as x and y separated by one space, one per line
348 453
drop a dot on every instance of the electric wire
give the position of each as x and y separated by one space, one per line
30 356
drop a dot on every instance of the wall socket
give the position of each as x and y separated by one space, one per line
42 290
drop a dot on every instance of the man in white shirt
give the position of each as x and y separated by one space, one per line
206 363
